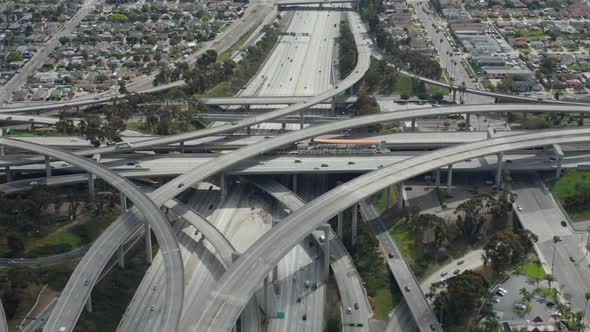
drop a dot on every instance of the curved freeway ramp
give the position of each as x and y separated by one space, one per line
64 320
347 277
221 244
129 222
233 291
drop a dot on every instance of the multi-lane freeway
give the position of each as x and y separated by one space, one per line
152 216
176 186
400 269
110 240
261 256
347 277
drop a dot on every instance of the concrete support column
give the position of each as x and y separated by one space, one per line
340 224
265 304
468 120
2 151
437 178
301 120
91 193
413 123
327 252
47 166
223 186
275 273
248 130
388 197
295 179
499 168
333 105
121 260
148 242
449 178
182 147
123 202
355 213
283 126
8 174
559 156
88 305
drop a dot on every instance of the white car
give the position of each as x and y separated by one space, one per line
519 208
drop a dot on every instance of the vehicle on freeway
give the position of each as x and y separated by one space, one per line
123 145
322 238
356 306
563 223
502 290
304 317
460 262
456 271
180 185
349 310
390 255
444 274
33 183
307 283
407 288
519 208
519 306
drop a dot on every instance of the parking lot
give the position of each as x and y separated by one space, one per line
506 307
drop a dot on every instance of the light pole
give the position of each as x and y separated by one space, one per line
555 240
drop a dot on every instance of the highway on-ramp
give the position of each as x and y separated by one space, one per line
151 214
129 223
347 277
233 291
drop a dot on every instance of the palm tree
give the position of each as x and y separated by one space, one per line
555 240
526 295
587 295
549 279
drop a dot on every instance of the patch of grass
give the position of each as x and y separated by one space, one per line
381 287
226 55
111 296
405 242
571 184
53 243
221 89
532 270
404 86
528 309
383 302
549 292
380 199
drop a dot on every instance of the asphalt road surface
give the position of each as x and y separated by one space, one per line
262 256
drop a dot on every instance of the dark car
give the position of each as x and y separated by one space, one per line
456 271
563 223
304 317
390 255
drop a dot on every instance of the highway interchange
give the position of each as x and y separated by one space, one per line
219 284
